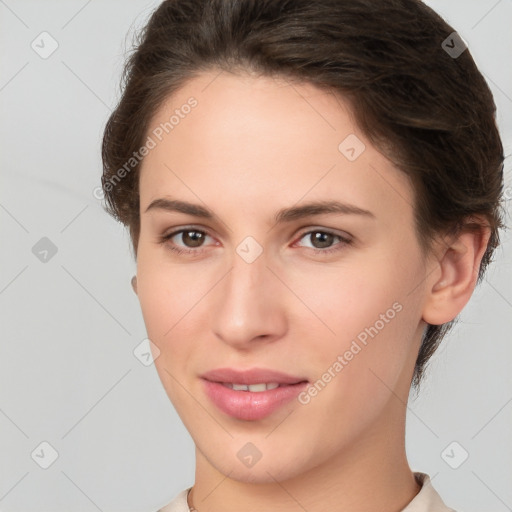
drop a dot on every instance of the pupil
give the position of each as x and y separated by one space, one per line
321 237
196 240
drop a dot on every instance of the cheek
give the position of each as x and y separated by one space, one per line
165 290
174 302
361 367
167 302
342 302
365 313
160 293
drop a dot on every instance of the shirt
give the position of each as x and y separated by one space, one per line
427 500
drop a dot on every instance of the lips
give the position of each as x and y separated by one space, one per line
251 376
230 390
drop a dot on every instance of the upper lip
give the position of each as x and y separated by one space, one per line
250 376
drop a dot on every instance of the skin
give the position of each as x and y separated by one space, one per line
252 146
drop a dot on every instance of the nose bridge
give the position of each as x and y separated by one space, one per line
246 282
248 305
248 267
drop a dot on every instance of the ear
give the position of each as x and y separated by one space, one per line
452 282
134 284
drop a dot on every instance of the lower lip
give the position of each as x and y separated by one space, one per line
247 405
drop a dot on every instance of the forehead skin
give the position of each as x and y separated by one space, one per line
262 141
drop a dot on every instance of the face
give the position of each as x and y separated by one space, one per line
333 298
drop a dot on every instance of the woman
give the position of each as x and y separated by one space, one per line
312 191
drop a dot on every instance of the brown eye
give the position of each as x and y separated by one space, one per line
324 241
186 240
321 240
192 238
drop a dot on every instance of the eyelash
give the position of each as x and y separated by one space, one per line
337 247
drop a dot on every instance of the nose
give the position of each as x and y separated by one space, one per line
249 305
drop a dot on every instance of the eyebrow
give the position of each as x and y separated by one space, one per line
285 215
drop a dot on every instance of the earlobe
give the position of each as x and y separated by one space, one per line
134 284
452 286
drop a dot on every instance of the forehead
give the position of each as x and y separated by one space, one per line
254 138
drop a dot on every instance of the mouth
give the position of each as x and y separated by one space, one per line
257 388
251 394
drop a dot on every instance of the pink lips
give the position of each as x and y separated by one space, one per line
252 376
247 405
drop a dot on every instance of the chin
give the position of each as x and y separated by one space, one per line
261 475
275 466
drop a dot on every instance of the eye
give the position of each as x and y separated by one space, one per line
322 241
193 241
192 238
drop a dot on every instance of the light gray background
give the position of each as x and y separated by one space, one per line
68 375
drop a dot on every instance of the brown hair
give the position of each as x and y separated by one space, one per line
428 110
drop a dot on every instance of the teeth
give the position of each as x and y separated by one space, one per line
254 388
